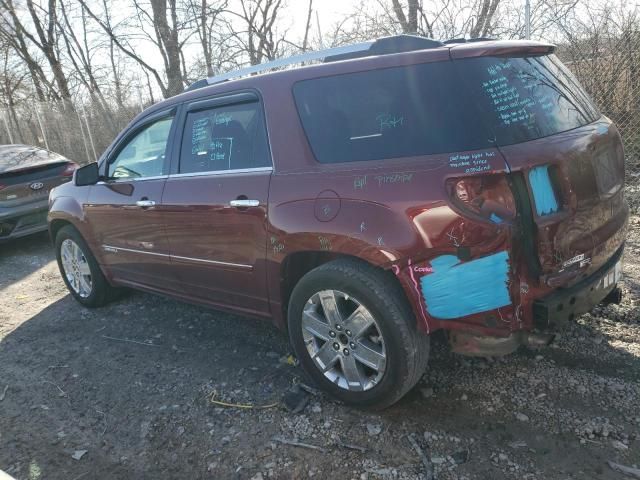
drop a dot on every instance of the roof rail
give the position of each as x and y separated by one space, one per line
468 40
381 46
283 62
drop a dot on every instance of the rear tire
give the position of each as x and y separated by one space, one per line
366 350
80 270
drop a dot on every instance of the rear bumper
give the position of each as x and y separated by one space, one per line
564 304
22 220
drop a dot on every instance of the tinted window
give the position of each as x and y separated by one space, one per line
144 154
526 98
395 112
224 138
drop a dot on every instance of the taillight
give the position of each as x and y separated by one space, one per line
69 169
488 197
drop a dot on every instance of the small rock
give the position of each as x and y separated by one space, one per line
618 445
521 417
518 444
464 397
427 392
78 454
503 457
180 430
460 457
257 476
144 429
374 429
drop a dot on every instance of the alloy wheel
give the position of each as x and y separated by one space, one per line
76 268
344 340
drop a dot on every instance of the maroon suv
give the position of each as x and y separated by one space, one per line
397 188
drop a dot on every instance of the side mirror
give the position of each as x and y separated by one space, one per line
87 175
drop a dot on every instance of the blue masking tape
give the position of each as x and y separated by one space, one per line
456 289
543 195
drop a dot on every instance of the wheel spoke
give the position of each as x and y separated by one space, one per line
83 266
370 355
313 324
359 321
326 357
84 284
329 306
355 378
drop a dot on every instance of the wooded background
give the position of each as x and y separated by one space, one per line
73 73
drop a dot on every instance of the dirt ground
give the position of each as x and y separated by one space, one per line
124 392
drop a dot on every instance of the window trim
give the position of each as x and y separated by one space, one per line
131 133
238 171
238 97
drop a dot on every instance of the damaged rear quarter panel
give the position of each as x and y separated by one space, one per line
394 215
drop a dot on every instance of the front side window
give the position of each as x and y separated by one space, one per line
229 137
144 154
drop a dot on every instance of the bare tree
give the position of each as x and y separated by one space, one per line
207 18
259 41
14 33
166 25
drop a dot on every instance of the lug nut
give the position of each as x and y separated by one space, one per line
332 334
338 327
348 332
352 345
346 351
336 346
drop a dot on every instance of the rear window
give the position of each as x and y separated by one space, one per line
395 112
526 98
439 107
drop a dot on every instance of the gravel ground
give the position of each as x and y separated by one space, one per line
125 392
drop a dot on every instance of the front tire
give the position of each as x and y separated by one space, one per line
354 333
80 270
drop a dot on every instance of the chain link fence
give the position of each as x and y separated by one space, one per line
608 66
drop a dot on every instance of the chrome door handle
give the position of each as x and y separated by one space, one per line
145 203
244 203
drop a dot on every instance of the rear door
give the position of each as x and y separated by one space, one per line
570 159
216 203
124 210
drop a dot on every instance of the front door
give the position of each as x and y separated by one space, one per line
124 210
216 204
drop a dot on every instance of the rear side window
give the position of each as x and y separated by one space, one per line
394 112
441 107
526 98
229 137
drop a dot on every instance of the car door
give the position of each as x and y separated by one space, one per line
124 210
215 202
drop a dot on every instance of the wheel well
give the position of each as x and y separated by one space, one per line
55 227
297 265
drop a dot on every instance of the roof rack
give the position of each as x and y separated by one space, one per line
381 46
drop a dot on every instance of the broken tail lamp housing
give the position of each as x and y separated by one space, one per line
488 198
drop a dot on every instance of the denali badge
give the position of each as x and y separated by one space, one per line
36 185
571 261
